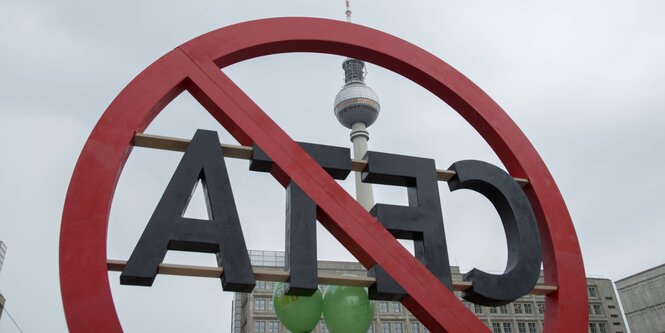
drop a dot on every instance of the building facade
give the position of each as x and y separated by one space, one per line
253 313
3 251
643 299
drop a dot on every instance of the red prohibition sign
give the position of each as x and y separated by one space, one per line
195 67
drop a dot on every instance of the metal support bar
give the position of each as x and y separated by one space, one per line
278 275
245 153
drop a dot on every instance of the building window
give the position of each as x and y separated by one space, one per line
507 328
541 308
493 310
260 304
528 309
266 258
592 292
273 326
518 308
260 285
383 307
398 327
597 309
260 326
496 328
521 327
503 309
385 327
415 327
532 328
477 308
602 328
397 307
593 328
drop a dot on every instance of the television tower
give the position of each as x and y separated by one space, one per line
356 108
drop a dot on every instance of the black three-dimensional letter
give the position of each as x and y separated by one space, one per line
169 230
421 221
301 259
519 223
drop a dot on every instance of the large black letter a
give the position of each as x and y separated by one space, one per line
169 230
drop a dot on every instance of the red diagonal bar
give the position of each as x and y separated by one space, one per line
354 227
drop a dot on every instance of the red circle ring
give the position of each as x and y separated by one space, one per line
194 66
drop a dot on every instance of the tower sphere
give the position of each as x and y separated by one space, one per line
356 102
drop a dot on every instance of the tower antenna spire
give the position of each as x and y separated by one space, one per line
348 11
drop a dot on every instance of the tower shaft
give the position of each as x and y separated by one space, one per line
359 138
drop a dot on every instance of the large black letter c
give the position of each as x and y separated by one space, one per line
522 236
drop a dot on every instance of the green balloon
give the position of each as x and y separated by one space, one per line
299 314
347 309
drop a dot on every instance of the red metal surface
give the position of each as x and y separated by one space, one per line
195 66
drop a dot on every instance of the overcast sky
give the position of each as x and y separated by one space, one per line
583 79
